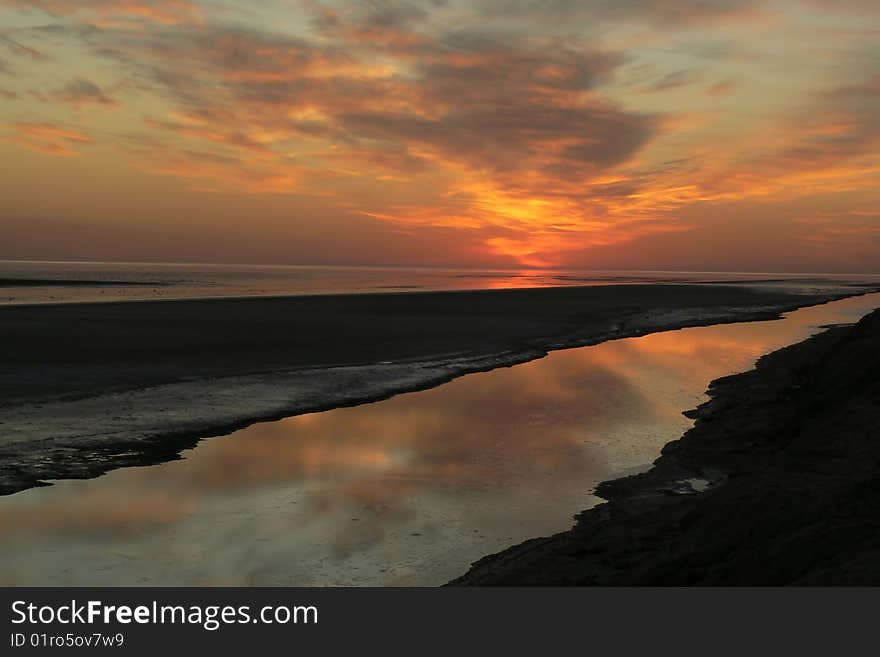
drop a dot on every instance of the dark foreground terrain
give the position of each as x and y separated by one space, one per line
788 459
89 387
89 348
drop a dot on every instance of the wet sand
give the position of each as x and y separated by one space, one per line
778 483
86 388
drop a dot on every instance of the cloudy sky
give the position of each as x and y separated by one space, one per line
653 134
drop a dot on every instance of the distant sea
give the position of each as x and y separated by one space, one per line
28 282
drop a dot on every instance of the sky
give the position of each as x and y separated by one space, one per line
722 135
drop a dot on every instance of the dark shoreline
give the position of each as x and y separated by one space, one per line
68 282
778 483
87 388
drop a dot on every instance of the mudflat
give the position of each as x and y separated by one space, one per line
84 349
85 388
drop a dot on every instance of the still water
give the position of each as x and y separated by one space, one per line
406 491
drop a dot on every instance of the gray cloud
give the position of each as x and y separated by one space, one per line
81 92
22 50
673 12
674 80
496 105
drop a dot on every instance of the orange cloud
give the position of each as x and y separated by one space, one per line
722 88
211 172
49 138
167 12
515 130
515 139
